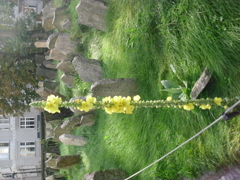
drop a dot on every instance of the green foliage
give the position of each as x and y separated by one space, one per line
176 91
18 69
143 40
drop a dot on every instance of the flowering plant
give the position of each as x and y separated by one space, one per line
119 104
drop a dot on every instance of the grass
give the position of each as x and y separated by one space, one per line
143 39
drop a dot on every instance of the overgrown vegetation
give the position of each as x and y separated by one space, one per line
143 39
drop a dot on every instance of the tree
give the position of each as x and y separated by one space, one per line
17 67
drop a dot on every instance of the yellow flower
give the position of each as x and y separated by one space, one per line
225 107
108 110
136 98
85 106
52 104
169 98
205 106
217 101
91 99
51 107
54 99
188 106
129 109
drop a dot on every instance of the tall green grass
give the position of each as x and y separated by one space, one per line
143 39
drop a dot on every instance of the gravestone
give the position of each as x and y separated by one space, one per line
57 132
57 118
47 57
47 24
71 123
60 16
68 80
47 16
45 92
57 55
50 64
89 70
87 120
46 72
41 44
225 173
69 139
54 86
76 121
48 133
52 163
66 161
67 25
64 44
48 10
51 40
65 66
39 58
200 84
115 87
109 174
92 13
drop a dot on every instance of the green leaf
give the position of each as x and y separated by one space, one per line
175 96
173 90
173 69
182 97
169 84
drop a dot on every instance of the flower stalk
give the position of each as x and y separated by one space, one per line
119 104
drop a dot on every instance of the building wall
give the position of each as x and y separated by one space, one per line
23 136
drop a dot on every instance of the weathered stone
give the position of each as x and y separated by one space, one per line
47 24
68 80
109 174
225 173
64 44
57 118
76 111
200 84
48 125
39 58
65 66
69 139
115 87
57 55
60 16
89 70
46 72
67 25
51 40
76 121
58 131
47 57
41 44
87 120
92 13
52 163
56 177
49 64
71 123
45 92
48 10
50 177
66 161
49 133
54 86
